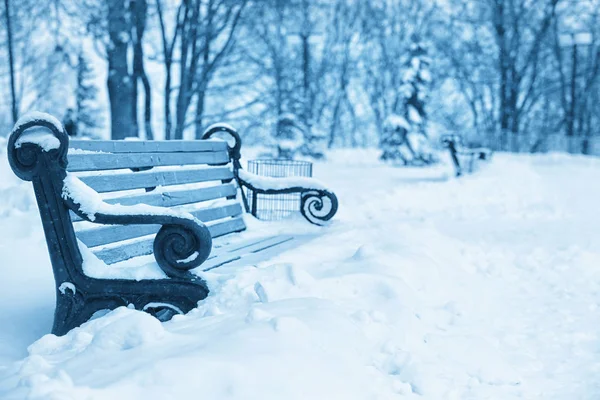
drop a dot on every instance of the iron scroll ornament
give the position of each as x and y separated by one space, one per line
318 206
25 159
234 151
180 245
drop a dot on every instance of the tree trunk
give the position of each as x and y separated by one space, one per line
183 101
120 88
335 118
167 105
187 65
306 112
334 122
139 14
168 61
11 61
503 65
513 110
134 93
147 107
572 107
200 99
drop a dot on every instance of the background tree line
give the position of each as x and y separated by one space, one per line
512 74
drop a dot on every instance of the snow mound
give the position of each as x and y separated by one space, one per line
120 331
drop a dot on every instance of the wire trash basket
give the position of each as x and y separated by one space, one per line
275 207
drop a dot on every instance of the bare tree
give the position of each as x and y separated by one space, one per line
203 35
120 82
338 60
500 53
266 48
578 67
520 30
119 26
11 61
467 63
35 68
139 12
168 48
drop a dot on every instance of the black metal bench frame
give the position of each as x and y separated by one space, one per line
454 144
78 296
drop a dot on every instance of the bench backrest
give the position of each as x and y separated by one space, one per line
194 176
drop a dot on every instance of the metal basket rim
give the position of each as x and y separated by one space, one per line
279 161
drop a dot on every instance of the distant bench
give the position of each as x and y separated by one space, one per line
197 201
464 158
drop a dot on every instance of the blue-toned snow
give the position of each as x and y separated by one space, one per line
423 287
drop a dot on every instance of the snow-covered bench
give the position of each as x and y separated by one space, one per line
464 158
149 185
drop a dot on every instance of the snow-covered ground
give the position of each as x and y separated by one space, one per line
423 287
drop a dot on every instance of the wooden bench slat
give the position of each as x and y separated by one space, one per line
139 180
227 253
127 251
112 255
173 198
220 250
230 226
115 233
106 161
154 146
238 252
177 197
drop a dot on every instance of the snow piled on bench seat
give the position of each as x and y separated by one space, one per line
137 269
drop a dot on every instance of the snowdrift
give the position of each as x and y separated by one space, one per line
423 287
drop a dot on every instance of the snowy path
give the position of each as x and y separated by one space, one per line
487 287
527 230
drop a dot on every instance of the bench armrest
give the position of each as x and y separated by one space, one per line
455 145
318 204
182 243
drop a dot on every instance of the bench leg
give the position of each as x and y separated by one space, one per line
455 161
254 201
72 309
68 306
160 298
